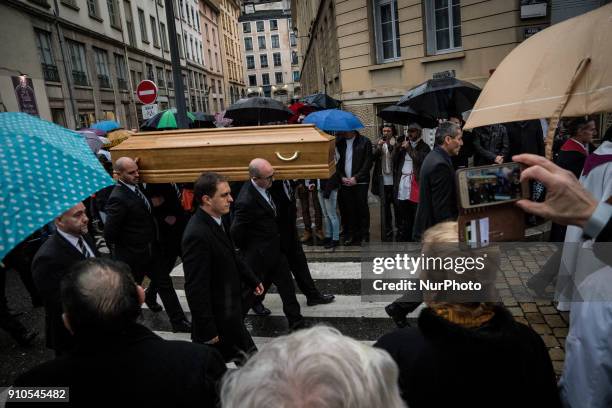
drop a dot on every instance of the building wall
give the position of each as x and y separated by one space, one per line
489 31
232 50
209 20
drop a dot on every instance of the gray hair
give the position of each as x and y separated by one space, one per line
446 129
314 368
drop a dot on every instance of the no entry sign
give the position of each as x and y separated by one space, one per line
146 92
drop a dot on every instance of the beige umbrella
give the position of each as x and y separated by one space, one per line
564 70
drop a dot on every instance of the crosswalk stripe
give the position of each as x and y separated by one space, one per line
342 306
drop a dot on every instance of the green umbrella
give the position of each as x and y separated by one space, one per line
166 120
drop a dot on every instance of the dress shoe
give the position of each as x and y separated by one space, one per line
261 310
320 299
297 325
26 338
366 238
352 242
181 326
398 316
307 237
154 306
332 244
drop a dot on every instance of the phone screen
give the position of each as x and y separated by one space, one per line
490 185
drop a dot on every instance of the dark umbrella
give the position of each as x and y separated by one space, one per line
405 115
165 120
321 101
257 111
204 120
442 97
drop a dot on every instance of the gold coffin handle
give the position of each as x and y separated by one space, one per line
288 159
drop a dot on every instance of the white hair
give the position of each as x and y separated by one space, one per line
314 368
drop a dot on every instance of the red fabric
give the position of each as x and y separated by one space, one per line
573 146
414 190
298 109
187 199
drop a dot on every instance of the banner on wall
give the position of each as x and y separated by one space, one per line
24 92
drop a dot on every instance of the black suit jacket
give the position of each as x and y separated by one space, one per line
51 263
213 278
362 158
437 193
130 228
135 367
255 231
286 211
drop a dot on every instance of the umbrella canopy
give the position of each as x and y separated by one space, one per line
204 120
405 115
257 111
45 170
165 120
440 98
93 140
106 125
96 131
298 109
321 101
542 74
117 136
334 120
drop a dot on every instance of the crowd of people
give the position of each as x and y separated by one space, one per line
234 246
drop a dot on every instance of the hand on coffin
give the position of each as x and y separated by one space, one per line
214 340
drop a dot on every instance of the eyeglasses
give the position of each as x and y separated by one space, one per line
269 178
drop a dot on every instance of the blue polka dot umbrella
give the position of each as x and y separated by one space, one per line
45 169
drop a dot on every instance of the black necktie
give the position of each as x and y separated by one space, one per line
143 198
271 201
289 189
83 248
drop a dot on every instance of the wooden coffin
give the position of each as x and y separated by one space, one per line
295 151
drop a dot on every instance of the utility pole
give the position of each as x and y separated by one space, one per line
179 90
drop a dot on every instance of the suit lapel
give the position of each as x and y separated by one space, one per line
135 197
259 198
68 246
216 228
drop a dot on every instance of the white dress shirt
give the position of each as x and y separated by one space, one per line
348 162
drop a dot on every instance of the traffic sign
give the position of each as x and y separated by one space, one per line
148 111
146 92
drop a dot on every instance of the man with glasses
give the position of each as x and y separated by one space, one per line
255 232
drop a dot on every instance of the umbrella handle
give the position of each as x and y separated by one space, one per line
288 159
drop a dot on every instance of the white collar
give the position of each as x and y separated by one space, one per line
217 220
74 241
130 186
262 191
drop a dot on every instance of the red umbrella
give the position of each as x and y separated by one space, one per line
298 109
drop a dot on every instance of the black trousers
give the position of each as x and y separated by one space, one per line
356 220
7 321
405 217
149 263
278 274
299 267
388 203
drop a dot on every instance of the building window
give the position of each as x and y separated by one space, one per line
246 27
277 59
250 62
265 79
278 76
443 26
180 46
273 25
121 71
113 13
154 32
129 22
160 76
294 58
78 62
169 78
387 30
220 87
261 42
144 37
275 42
92 8
43 42
263 60
252 80
101 60
150 75
164 38
58 116
260 26
296 76
248 44
292 39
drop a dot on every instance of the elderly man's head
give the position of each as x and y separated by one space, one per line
100 296
261 172
73 221
126 170
317 367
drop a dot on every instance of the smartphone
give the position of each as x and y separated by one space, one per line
491 185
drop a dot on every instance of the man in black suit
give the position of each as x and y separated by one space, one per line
132 236
256 233
214 274
354 168
68 245
115 354
283 194
437 191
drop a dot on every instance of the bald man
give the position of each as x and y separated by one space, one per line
131 234
255 232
